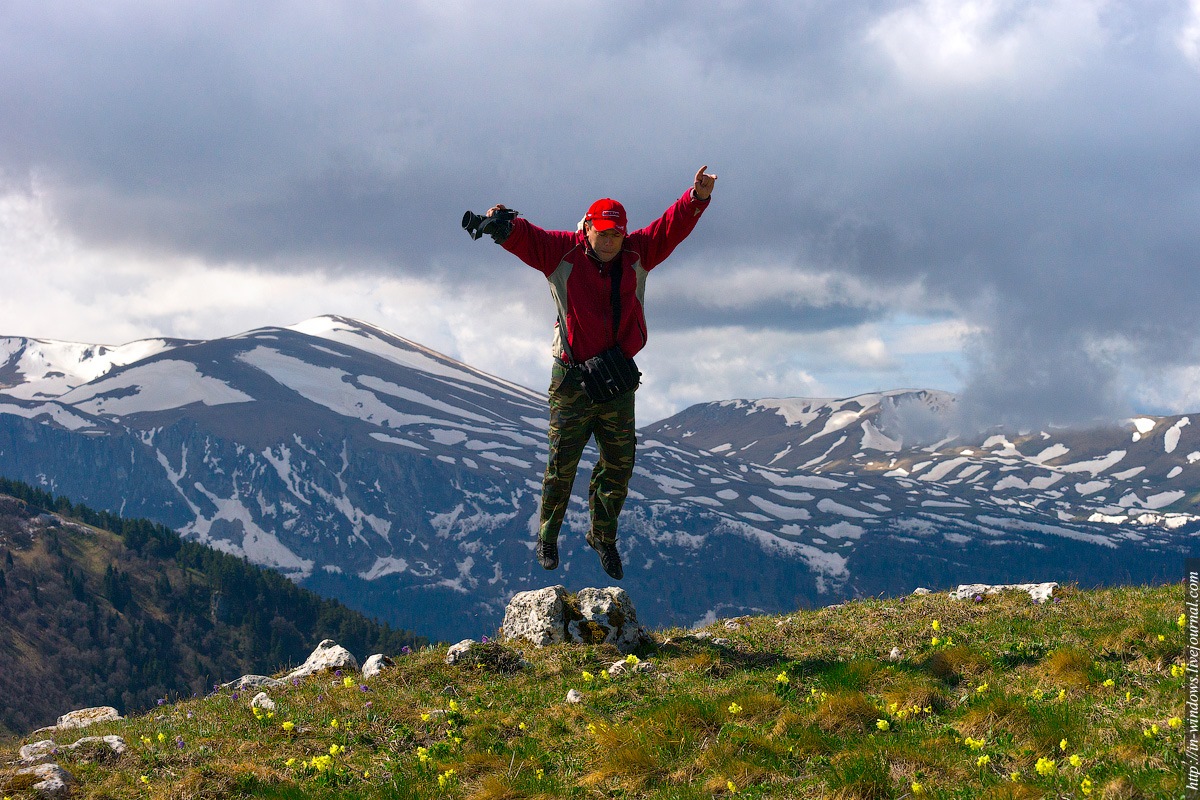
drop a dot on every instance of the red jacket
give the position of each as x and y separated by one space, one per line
582 286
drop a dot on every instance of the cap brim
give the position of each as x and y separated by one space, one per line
606 224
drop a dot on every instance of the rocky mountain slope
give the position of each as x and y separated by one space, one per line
372 469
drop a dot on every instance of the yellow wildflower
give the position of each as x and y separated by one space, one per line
144 779
782 679
935 641
454 706
1178 671
521 726
981 688
882 724
288 726
587 676
335 749
541 773
1014 776
937 625
1046 766
1151 732
974 744
983 761
333 723
735 709
1182 621
591 728
424 718
1063 745
162 737
1075 760
731 787
446 778
632 660
1062 694
289 762
1162 638
917 788
1109 683
347 681
1086 786
1175 722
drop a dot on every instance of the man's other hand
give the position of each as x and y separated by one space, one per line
703 186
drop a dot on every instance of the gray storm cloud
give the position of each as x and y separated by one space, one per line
1030 167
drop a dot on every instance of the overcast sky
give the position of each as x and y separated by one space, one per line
994 198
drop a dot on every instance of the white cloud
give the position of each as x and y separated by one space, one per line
969 42
1189 34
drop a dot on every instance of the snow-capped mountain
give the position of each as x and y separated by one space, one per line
406 484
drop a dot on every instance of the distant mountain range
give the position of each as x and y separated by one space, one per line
406 484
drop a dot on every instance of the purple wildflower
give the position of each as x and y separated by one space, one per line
406 650
338 673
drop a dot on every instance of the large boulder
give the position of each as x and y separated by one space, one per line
85 717
593 616
328 655
48 780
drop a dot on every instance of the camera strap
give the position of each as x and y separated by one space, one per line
614 299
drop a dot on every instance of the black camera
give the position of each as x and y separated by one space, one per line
498 226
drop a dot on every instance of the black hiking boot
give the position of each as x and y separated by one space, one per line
547 554
610 559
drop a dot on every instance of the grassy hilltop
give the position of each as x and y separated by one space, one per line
1002 697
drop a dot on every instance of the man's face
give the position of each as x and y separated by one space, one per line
606 243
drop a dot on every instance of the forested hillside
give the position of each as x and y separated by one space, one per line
96 609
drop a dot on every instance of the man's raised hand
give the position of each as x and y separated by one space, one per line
703 186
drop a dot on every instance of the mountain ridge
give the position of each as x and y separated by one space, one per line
378 471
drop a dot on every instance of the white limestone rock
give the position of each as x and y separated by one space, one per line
115 744
376 664
87 716
1040 592
52 780
459 650
253 682
37 751
328 656
574 697
593 616
263 700
537 616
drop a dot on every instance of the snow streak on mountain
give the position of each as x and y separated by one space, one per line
405 483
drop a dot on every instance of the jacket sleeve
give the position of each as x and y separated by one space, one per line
540 249
659 239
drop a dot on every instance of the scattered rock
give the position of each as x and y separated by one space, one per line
1040 592
643 666
489 656
894 655
537 616
329 655
253 682
574 697
594 616
87 716
617 668
38 751
52 780
104 747
735 624
376 664
921 591
457 651
263 700
721 641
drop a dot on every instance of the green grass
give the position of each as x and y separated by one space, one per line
1082 682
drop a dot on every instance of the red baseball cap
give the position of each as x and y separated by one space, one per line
605 214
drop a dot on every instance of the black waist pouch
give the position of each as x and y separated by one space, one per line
608 375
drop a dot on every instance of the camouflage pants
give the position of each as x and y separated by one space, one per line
573 420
